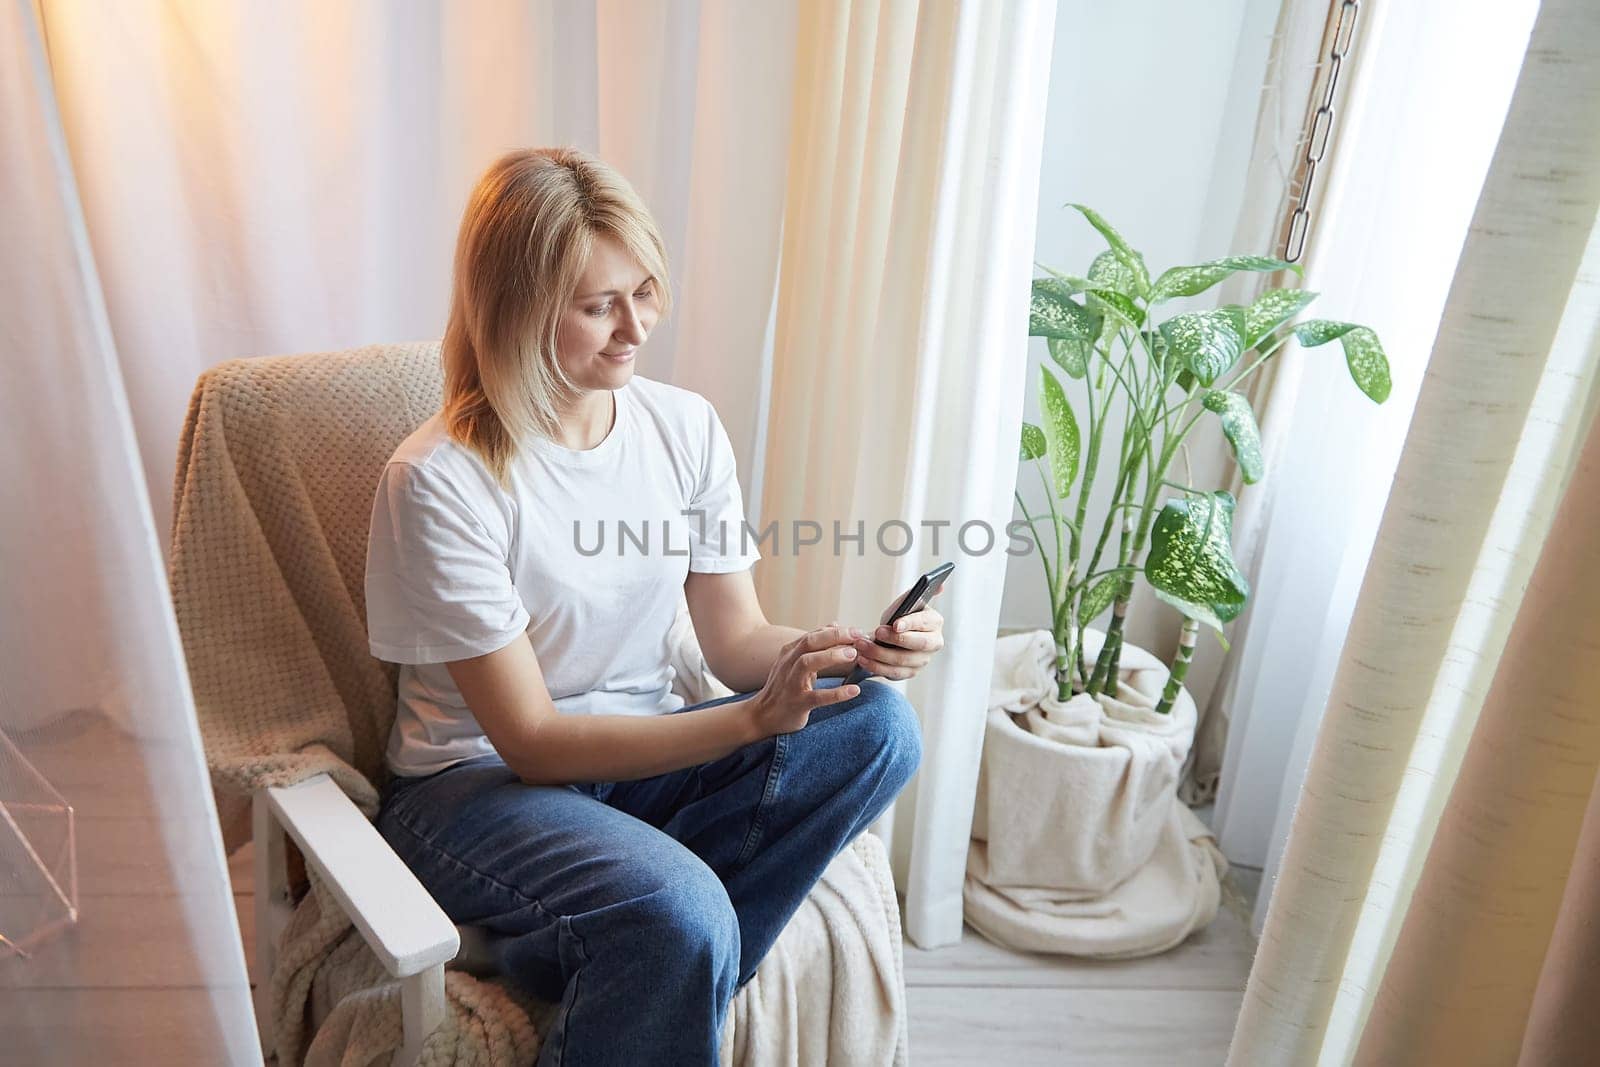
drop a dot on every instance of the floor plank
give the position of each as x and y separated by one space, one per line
133 856
71 1028
1217 957
129 942
957 1026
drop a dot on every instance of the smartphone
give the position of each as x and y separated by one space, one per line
916 599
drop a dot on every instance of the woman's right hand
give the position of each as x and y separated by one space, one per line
786 702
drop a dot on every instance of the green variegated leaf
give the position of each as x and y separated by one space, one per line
1234 314
1227 613
1053 313
1071 356
1124 251
1314 332
1191 552
1115 305
1272 309
1368 365
1060 433
1189 281
1098 597
1161 355
1032 441
1239 427
1206 342
1363 353
1109 272
1156 346
1198 612
1072 282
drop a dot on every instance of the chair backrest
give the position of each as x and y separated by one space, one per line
277 469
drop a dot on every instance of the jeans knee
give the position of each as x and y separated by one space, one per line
895 727
692 923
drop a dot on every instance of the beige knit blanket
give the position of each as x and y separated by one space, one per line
277 466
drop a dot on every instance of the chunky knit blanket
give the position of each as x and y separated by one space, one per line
277 466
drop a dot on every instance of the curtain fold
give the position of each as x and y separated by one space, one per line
1562 1024
900 351
1399 188
1491 449
93 688
285 178
1478 928
1296 66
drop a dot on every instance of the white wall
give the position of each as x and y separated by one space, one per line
1152 106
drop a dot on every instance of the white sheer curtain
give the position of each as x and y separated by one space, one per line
901 345
284 177
188 183
93 688
1447 785
1418 125
1296 67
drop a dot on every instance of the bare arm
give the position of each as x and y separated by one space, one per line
739 644
506 692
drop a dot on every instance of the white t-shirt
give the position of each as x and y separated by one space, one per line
457 567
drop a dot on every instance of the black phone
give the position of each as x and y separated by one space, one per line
916 599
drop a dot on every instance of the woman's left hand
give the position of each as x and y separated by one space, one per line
918 635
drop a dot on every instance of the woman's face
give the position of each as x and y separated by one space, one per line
613 310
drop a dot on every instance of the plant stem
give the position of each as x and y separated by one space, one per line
1180 665
1105 667
1104 679
1056 591
1049 576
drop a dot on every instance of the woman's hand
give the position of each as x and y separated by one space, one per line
918 635
786 702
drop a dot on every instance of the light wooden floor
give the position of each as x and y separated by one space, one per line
122 986
970 1003
977 1002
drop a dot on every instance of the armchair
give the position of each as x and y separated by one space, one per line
277 466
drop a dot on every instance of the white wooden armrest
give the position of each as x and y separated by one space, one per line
407 930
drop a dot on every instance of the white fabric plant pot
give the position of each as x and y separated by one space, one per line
1080 843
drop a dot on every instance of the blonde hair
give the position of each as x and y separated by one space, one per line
525 239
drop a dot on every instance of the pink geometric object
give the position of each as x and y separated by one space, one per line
38 856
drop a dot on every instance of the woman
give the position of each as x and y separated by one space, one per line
639 858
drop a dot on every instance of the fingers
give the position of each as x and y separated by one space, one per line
928 620
910 641
827 637
816 662
895 671
834 695
870 655
923 632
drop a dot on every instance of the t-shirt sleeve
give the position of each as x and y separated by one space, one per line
718 540
438 582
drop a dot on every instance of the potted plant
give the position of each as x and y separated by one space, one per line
1116 722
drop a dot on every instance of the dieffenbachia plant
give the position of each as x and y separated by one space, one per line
1167 376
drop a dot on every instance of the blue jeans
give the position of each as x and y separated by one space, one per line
642 906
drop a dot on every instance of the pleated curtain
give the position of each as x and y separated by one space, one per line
899 356
1437 869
